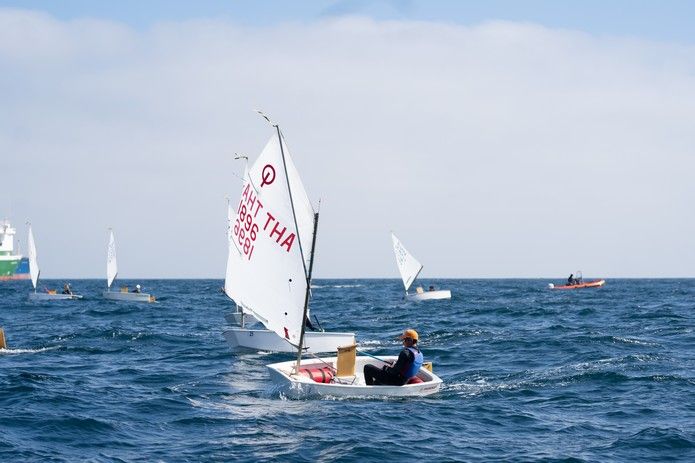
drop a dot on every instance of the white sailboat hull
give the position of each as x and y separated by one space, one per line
49 297
300 385
266 340
429 295
132 297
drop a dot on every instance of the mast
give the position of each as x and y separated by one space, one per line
307 274
308 291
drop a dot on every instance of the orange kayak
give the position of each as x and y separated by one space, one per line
588 284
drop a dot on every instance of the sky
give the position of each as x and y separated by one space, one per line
496 139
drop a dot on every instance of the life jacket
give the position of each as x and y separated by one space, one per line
415 365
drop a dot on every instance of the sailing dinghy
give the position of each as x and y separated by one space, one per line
269 254
274 283
410 268
112 272
34 271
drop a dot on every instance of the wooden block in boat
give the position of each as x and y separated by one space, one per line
3 344
347 356
427 366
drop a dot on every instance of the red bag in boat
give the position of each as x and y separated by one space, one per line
318 374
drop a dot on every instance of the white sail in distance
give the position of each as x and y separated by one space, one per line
231 207
269 252
231 215
33 263
111 264
407 264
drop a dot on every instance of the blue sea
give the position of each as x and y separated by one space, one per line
529 374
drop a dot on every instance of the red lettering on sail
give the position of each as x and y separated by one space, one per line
251 201
270 217
287 333
276 232
258 208
246 228
288 242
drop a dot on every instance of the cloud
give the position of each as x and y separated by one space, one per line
501 149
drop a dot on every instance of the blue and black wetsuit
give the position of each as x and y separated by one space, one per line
408 364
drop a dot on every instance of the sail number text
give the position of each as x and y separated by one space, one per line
248 224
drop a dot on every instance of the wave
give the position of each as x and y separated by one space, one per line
656 439
27 351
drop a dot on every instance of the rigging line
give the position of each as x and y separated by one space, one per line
294 214
374 357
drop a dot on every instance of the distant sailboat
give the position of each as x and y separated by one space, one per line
410 268
34 271
263 277
112 272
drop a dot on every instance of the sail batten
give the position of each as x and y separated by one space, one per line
111 264
408 266
268 276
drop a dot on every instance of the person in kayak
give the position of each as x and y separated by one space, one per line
408 364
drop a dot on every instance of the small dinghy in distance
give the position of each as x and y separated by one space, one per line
112 272
576 281
255 235
410 268
276 287
34 271
588 284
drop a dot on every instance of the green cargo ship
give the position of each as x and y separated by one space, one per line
8 259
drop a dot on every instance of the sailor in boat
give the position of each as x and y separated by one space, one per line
408 364
431 288
137 289
67 289
571 281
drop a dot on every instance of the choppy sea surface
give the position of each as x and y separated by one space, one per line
529 374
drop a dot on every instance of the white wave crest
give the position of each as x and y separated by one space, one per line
26 351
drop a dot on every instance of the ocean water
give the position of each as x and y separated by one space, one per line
530 375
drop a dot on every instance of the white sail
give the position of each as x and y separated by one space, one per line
33 263
231 215
407 264
269 253
231 207
111 265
